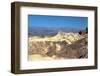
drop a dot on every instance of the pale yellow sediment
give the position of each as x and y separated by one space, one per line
68 37
38 57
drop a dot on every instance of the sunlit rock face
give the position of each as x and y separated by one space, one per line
61 46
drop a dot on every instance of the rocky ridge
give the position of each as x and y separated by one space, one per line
61 46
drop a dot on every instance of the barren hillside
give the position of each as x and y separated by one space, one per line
61 46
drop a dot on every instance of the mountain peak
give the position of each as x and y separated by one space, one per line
61 33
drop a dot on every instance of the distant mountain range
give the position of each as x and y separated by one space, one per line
42 31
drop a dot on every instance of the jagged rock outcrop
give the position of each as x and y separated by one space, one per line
61 46
78 49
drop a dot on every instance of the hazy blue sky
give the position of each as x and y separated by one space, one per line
57 21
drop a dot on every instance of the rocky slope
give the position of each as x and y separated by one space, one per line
61 36
63 45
